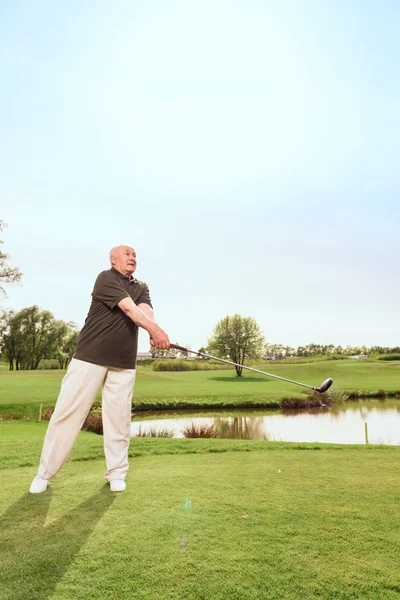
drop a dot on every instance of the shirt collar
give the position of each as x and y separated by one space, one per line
131 279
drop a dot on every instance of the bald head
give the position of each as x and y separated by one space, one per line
123 259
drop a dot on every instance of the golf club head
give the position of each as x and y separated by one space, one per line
325 385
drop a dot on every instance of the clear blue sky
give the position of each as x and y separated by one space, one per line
249 151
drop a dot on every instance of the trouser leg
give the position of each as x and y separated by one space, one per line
78 391
117 402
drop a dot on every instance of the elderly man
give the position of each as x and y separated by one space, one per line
105 358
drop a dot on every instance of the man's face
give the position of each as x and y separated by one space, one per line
124 260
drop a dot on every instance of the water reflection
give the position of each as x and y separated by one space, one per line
241 428
339 424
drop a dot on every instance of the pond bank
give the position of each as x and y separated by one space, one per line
301 400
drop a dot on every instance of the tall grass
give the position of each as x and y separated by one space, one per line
153 432
311 400
199 431
237 428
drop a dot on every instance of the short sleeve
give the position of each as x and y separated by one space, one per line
108 289
144 297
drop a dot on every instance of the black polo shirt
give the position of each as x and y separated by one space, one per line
108 337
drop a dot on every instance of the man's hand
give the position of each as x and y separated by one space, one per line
159 339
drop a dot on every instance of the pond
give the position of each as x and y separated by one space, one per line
341 424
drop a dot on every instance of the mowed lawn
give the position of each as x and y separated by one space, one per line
21 388
266 521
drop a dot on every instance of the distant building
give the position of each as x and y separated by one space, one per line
359 356
269 357
143 355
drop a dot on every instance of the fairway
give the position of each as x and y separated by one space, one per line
25 390
267 520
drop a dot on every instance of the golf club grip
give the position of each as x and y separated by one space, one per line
182 348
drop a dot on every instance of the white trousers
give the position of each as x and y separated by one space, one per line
78 391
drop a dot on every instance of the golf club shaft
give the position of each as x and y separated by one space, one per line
183 349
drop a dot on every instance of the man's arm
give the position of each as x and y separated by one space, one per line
149 312
143 316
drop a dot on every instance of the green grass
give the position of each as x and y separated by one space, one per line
268 521
24 390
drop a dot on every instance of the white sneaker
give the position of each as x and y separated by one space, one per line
38 485
117 485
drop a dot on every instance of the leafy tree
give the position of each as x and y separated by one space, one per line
67 349
7 274
237 338
11 340
30 335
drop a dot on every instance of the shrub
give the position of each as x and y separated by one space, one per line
356 395
314 400
12 416
47 412
94 423
171 365
389 357
189 365
48 364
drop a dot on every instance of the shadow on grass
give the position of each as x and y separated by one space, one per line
33 556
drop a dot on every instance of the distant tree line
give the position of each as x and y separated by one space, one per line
31 334
279 351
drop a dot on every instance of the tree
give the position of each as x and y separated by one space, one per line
7 274
67 349
276 350
236 338
10 338
30 335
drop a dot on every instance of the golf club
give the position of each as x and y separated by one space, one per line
325 385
